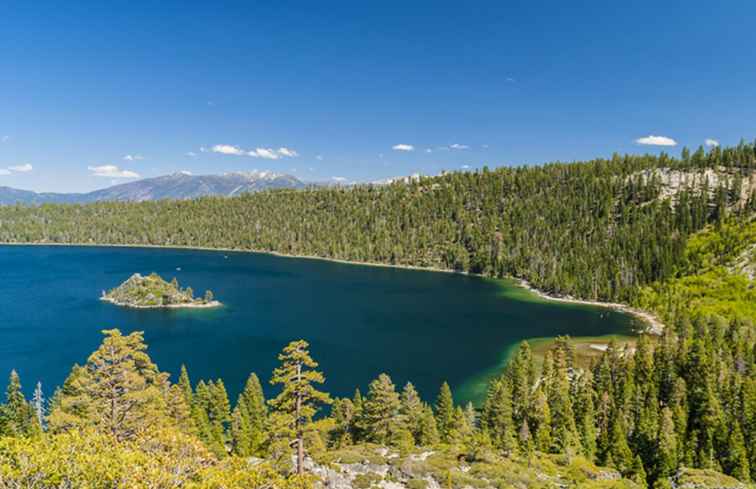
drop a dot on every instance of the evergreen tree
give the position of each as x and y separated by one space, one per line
444 411
381 416
298 400
119 391
185 384
412 410
38 402
667 446
249 419
18 415
497 415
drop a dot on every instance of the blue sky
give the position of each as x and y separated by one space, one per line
345 89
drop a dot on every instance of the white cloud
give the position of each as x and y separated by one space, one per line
3 171
185 172
21 168
403 147
191 154
711 142
465 167
133 157
339 179
652 140
509 79
319 157
428 150
226 149
267 153
459 146
111 171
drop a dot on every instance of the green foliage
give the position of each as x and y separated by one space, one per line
298 400
119 391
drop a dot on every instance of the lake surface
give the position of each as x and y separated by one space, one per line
421 326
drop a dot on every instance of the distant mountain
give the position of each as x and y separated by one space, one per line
180 185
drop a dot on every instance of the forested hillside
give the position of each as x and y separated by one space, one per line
596 230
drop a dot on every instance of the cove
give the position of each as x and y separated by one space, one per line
421 326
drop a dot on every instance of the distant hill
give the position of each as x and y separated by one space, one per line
175 186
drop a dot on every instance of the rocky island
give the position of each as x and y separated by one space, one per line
152 291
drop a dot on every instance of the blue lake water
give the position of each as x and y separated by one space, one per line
421 326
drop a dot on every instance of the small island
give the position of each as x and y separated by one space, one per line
153 292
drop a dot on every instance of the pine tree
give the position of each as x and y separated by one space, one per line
185 384
497 419
18 415
541 416
520 373
565 438
667 446
298 400
249 419
444 411
585 414
411 410
381 411
119 391
737 455
180 411
428 428
38 402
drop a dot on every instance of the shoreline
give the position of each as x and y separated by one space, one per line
205 305
653 324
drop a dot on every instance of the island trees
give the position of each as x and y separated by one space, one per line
299 399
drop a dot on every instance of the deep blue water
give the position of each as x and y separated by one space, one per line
360 321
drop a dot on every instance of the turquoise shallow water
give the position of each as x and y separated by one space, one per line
415 325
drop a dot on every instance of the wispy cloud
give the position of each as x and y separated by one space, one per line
652 140
319 157
428 150
111 171
465 167
26 167
4 139
133 157
403 147
711 143
339 179
191 154
459 146
227 149
267 153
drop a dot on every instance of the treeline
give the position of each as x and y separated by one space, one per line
687 399
596 229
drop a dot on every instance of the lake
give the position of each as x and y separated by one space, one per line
422 326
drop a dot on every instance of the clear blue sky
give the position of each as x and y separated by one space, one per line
340 84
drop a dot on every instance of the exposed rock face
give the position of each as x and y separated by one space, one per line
674 181
153 291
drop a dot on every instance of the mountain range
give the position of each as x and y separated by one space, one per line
180 185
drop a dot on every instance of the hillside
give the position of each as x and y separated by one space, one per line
175 186
593 230
715 276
